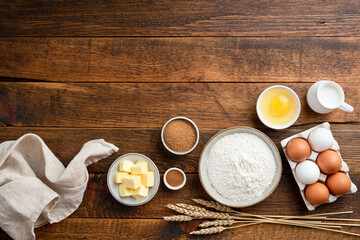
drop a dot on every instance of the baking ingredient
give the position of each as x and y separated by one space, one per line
124 191
321 139
307 172
278 106
298 149
180 135
174 178
329 96
338 183
126 166
148 179
329 161
317 193
141 192
132 181
240 166
119 177
140 167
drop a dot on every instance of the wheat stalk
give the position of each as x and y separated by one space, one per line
207 231
192 207
201 215
217 223
178 218
212 204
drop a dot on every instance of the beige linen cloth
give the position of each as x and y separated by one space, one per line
36 188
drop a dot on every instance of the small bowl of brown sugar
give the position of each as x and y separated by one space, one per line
174 178
180 135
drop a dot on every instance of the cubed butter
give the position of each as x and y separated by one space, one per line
148 179
141 167
119 177
138 199
141 192
125 166
124 191
132 181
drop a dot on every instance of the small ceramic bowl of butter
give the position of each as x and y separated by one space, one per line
278 107
133 179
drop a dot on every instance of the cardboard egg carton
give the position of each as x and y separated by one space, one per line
313 155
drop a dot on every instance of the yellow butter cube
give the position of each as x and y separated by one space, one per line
119 176
125 166
125 192
141 167
141 192
148 179
139 198
132 181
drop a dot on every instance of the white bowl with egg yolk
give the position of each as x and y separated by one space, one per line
278 107
114 187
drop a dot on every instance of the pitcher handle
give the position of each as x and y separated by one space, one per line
346 107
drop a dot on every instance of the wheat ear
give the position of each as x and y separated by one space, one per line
207 231
192 207
201 215
178 218
217 223
212 204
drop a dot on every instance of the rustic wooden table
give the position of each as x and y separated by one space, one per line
72 71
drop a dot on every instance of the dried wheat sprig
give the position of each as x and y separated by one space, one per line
179 209
207 231
332 213
177 218
201 215
213 204
192 207
219 229
217 223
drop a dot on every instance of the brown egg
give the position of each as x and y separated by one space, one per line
317 193
329 162
298 149
338 183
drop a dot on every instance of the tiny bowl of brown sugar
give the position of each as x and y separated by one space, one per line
180 135
174 178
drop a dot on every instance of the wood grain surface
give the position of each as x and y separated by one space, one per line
72 71
286 199
180 18
210 105
67 142
211 59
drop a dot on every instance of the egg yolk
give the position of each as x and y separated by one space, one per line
280 106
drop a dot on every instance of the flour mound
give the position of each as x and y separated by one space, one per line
240 166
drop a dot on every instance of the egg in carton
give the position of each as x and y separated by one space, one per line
331 144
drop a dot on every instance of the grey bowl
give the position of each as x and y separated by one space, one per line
114 187
205 179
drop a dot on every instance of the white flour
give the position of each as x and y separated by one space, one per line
240 166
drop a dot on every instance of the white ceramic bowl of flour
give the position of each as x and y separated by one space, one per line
240 167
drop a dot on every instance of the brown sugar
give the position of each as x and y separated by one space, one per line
174 178
180 135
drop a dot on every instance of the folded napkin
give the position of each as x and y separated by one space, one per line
35 187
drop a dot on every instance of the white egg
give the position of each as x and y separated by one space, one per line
321 139
307 172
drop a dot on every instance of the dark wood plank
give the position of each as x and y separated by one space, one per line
181 59
210 105
76 228
66 142
179 18
286 199
98 204
159 229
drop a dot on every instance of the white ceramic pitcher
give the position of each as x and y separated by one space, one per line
325 96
